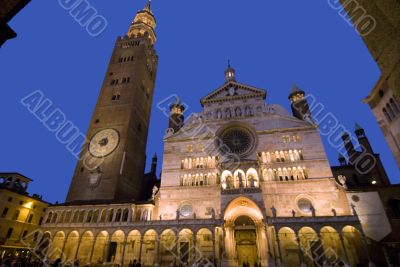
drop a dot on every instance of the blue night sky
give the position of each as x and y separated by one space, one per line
271 44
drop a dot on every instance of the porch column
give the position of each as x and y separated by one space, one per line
344 248
123 250
140 248
195 246
79 245
279 252
157 262
213 241
91 252
301 255
364 238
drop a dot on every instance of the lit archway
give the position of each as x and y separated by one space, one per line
132 246
354 246
245 232
85 248
252 179
204 243
71 245
168 247
99 250
116 247
148 256
333 251
289 248
311 246
185 245
57 246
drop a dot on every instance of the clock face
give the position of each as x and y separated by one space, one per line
103 143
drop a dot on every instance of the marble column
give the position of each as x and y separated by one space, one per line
346 255
123 250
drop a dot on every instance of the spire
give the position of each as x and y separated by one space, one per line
148 6
295 91
358 127
230 73
144 24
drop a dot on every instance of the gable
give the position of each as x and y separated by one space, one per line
232 91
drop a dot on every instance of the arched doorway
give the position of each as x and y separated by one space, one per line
245 236
246 240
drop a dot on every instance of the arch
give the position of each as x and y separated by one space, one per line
168 247
242 206
71 245
85 248
354 246
132 246
116 247
239 178
311 246
289 248
57 245
226 179
148 256
330 240
185 245
252 179
49 217
99 249
204 243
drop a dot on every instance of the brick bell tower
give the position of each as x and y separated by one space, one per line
118 131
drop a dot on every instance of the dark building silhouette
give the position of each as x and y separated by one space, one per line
8 9
362 167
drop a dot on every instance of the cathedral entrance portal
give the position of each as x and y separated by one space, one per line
246 241
245 234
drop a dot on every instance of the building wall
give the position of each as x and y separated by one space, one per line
26 207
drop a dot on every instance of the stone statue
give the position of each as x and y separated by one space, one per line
293 213
240 180
160 217
353 207
155 189
212 213
334 212
194 216
342 180
313 211
273 210
177 214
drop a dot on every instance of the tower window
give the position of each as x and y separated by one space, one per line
139 127
116 97
30 218
16 215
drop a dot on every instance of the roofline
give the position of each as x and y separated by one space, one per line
15 173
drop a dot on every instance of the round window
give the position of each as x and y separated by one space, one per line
186 210
304 205
236 140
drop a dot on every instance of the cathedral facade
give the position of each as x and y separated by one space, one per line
243 182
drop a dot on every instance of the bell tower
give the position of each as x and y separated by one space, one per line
118 130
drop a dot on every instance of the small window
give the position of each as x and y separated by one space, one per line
30 218
10 199
4 213
40 220
9 232
24 234
128 80
116 97
35 236
139 127
16 215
